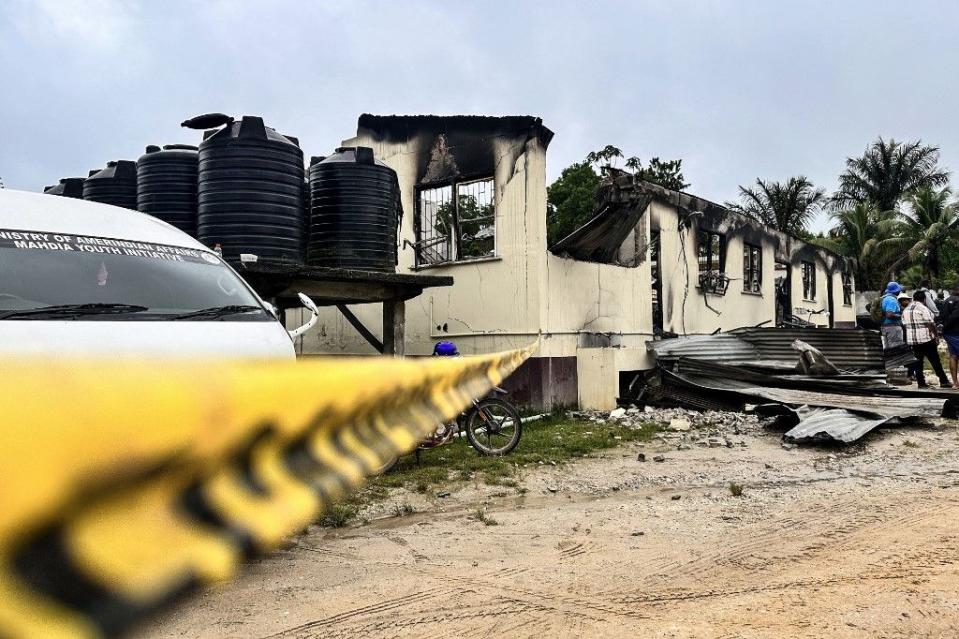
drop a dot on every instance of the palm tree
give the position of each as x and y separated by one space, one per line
922 233
787 207
864 236
887 172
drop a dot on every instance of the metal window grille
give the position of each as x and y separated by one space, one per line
434 228
808 281
710 251
752 268
455 222
476 216
847 288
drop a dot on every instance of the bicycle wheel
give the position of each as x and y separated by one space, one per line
385 468
493 427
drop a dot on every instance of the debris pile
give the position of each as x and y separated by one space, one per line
826 384
684 428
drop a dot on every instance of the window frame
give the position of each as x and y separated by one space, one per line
752 269
708 245
847 289
455 238
808 284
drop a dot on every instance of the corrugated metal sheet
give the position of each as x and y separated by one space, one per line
771 348
727 348
835 424
847 348
880 405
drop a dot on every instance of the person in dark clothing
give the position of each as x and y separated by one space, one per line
928 298
920 325
949 317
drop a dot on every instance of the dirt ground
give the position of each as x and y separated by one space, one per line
855 542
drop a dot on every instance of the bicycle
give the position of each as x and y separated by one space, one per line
492 426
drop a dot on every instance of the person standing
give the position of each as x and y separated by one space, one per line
891 326
928 298
920 325
949 317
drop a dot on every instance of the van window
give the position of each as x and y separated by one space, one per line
41 269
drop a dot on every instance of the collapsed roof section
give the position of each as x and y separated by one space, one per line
621 204
754 365
623 199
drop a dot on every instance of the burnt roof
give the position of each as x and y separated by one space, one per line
407 126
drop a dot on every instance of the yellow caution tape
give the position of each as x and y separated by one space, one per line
124 485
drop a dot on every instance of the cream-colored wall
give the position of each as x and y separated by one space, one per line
737 307
585 298
681 278
494 304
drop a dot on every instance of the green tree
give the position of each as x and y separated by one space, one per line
864 236
786 206
925 231
887 172
475 222
571 199
666 173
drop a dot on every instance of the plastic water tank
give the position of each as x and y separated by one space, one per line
116 185
355 210
67 187
167 184
250 189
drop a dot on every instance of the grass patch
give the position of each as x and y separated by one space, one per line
340 515
553 440
736 490
481 516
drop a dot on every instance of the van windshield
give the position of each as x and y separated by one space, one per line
45 274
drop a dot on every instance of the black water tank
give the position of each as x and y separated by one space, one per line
67 187
166 185
116 185
250 190
355 210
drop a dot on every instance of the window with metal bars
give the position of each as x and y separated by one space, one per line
710 249
752 268
809 281
847 289
455 222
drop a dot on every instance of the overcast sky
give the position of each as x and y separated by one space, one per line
738 90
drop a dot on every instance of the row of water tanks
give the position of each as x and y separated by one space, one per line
245 189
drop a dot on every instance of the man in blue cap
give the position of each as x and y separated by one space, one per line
891 328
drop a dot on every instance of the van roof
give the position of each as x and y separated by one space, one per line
25 211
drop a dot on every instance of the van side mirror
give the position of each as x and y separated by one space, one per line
314 316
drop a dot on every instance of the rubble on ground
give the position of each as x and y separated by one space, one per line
681 427
836 390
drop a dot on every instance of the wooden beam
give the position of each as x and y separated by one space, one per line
362 330
394 328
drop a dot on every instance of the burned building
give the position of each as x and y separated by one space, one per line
650 262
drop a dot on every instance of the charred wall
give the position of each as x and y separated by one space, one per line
458 147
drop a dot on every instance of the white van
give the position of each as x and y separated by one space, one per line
85 279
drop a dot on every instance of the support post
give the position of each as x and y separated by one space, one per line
362 330
394 328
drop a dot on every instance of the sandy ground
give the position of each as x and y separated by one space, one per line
854 542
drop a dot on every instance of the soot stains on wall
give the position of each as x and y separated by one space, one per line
457 147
